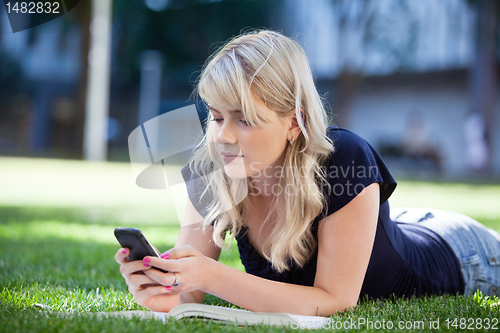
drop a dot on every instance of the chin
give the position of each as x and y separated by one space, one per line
236 169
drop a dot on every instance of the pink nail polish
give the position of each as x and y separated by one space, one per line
165 256
168 288
124 251
146 259
146 265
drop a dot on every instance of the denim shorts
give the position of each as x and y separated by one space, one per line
476 247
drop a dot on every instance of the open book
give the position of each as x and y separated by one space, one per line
236 316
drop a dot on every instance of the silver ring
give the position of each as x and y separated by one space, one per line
175 282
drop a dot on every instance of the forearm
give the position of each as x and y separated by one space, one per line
262 295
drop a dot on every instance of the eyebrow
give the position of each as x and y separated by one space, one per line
231 112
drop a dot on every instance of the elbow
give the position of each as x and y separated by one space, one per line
339 305
347 302
348 306
343 308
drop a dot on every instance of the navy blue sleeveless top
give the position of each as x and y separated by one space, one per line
407 259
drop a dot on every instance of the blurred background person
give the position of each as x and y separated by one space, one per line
476 148
417 146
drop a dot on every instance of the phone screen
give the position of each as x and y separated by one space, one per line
137 243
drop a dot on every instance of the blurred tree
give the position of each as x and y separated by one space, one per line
82 16
11 78
483 73
12 85
183 32
355 18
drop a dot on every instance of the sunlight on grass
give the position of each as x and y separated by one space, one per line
482 202
68 299
96 186
81 232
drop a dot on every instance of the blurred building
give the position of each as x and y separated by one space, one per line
384 64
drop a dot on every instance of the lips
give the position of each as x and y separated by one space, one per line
228 157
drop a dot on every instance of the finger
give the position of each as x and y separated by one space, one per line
179 252
169 265
141 281
132 267
149 292
166 279
121 256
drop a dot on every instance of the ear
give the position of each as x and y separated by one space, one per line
294 129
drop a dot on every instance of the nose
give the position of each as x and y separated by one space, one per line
226 133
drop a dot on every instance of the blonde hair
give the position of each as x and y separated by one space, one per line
267 65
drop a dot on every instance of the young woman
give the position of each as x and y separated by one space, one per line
307 204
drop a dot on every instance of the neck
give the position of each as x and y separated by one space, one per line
265 185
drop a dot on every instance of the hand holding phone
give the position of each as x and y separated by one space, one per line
139 246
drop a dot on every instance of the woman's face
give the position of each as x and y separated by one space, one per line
257 149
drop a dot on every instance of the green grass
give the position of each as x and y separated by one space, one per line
57 247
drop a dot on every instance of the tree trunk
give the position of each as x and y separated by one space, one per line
82 11
483 73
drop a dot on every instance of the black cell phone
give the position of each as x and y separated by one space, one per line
139 246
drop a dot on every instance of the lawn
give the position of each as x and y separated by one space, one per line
57 246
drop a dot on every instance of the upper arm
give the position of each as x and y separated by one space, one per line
191 233
345 242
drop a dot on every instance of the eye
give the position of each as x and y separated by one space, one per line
245 122
217 120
